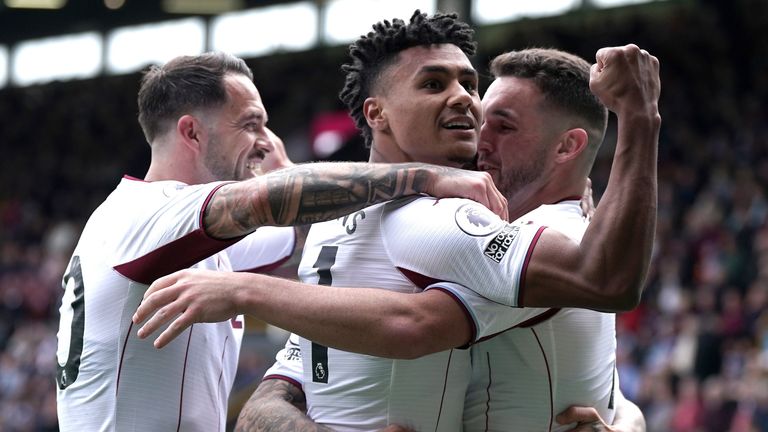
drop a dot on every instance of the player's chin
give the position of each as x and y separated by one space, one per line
464 152
495 174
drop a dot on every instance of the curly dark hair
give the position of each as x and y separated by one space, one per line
374 52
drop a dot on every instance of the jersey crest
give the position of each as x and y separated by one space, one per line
476 220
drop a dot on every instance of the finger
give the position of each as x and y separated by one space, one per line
396 428
160 318
162 282
600 58
577 414
497 200
588 427
594 74
481 192
175 329
498 203
153 302
504 207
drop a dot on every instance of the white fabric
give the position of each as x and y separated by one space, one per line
460 241
364 393
123 383
265 246
288 364
524 377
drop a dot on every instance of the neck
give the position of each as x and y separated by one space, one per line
393 154
170 165
531 197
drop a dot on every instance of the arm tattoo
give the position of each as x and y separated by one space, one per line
276 406
309 193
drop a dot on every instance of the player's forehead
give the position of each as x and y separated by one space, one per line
242 96
510 94
442 59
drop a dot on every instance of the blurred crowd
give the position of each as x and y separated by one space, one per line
693 355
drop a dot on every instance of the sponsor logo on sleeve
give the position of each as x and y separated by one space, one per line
476 220
498 247
292 354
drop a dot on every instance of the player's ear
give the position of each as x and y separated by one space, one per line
571 144
191 132
375 114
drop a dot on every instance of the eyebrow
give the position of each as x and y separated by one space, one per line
503 112
254 115
444 70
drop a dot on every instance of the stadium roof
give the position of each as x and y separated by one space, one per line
73 16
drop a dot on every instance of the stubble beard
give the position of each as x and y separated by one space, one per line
219 167
512 181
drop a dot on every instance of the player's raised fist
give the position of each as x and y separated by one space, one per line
626 80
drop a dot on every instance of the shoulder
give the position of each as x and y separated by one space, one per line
426 214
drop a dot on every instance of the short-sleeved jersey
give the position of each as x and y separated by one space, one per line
405 246
524 377
110 380
288 364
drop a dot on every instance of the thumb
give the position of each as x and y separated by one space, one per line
577 414
594 75
396 428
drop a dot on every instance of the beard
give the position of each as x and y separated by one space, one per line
513 180
217 163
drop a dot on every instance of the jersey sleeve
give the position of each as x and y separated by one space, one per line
487 318
460 241
288 366
166 234
263 250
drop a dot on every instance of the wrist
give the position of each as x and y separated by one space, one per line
648 117
243 295
423 180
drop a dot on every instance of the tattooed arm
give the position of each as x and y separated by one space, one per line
308 193
276 406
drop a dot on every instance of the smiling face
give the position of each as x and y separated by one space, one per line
237 138
428 108
518 136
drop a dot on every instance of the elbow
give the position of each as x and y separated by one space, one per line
430 322
625 297
627 302
412 341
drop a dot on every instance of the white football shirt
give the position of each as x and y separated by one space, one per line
406 246
524 377
108 379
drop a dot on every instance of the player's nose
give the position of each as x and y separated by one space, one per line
264 142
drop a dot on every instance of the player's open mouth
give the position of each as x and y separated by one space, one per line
254 168
462 123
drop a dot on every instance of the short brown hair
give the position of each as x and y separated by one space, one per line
563 79
182 85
